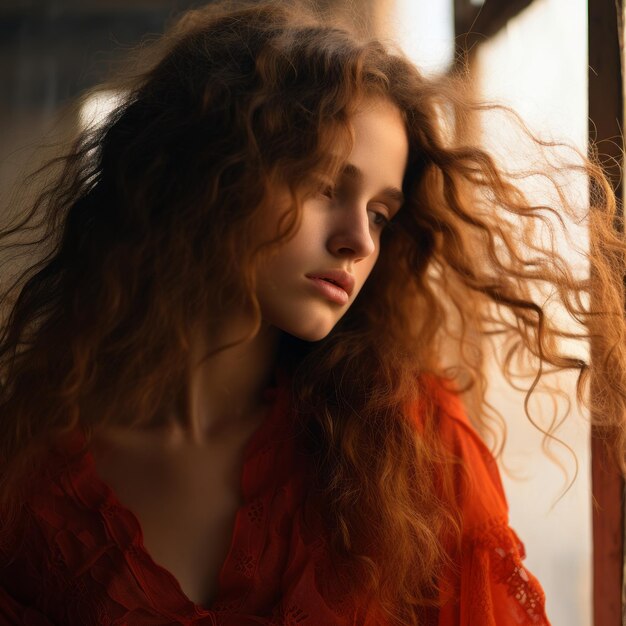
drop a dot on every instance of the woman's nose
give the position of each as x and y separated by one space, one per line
351 234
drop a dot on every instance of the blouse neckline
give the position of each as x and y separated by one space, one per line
94 490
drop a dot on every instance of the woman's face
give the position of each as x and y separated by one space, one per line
313 279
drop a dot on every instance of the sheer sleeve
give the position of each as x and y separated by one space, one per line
490 586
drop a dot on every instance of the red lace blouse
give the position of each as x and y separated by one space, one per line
77 557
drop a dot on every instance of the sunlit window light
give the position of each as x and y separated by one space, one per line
537 64
97 106
425 32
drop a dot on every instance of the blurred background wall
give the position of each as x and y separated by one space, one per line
535 60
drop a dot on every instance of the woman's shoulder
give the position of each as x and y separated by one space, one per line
58 501
59 542
475 478
490 582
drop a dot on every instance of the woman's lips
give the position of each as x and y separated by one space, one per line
332 292
338 277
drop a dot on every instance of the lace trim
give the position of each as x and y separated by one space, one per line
506 552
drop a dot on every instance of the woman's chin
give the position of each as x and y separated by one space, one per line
309 332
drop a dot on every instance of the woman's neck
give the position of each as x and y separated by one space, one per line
225 392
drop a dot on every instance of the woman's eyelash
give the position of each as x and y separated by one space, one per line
380 219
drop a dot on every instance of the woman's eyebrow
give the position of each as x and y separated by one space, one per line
392 193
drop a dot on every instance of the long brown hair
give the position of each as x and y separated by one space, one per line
150 227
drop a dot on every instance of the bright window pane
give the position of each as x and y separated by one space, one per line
538 65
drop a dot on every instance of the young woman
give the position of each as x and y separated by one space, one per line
229 386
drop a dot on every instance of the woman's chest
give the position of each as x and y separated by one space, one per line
185 502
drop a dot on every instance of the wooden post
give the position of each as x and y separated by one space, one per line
606 115
475 24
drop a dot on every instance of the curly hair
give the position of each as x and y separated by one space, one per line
150 227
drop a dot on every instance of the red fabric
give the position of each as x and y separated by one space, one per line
78 556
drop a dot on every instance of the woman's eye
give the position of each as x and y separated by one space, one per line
328 191
379 219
